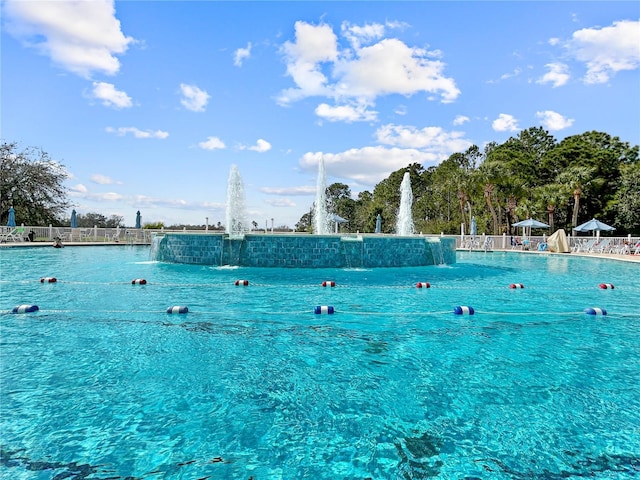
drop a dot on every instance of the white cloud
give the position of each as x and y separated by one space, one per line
505 123
304 190
554 41
78 189
80 36
554 121
556 76
357 35
366 166
104 180
460 119
313 45
608 50
346 113
137 133
261 146
110 96
193 98
432 140
240 55
515 73
360 74
212 143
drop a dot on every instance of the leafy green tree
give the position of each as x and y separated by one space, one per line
32 183
628 198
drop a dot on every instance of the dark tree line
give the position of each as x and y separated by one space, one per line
530 175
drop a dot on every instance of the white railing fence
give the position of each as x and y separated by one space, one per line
144 236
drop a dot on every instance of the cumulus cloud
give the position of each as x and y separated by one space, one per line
433 140
370 67
241 54
556 76
78 189
607 51
366 166
399 146
103 180
359 34
137 133
460 119
505 123
193 98
212 143
345 113
82 37
110 97
261 146
554 121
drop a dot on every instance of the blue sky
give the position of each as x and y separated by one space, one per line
149 104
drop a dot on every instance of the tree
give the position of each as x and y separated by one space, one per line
32 183
628 198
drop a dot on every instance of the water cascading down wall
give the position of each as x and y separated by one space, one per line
303 251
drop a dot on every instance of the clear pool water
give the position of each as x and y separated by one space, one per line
102 383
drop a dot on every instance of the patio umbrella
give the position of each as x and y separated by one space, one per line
474 227
138 220
338 219
378 224
74 222
592 225
11 221
531 223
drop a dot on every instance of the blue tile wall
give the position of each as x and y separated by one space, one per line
303 251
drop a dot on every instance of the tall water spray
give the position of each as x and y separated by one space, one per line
320 214
236 212
404 224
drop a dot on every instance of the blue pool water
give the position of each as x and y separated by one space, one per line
102 383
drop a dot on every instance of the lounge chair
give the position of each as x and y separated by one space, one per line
18 234
584 247
601 247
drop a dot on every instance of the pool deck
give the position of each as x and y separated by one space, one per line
610 256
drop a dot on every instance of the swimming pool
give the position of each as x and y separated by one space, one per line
102 383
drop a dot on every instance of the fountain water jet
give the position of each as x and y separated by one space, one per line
404 224
236 212
320 214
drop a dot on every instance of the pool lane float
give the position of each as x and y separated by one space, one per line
606 286
423 285
516 285
178 309
324 309
244 283
25 309
328 283
595 311
48 280
463 310
138 281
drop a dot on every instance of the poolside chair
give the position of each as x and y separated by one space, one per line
584 247
601 247
62 235
18 234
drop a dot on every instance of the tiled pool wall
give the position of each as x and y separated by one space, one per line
303 251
